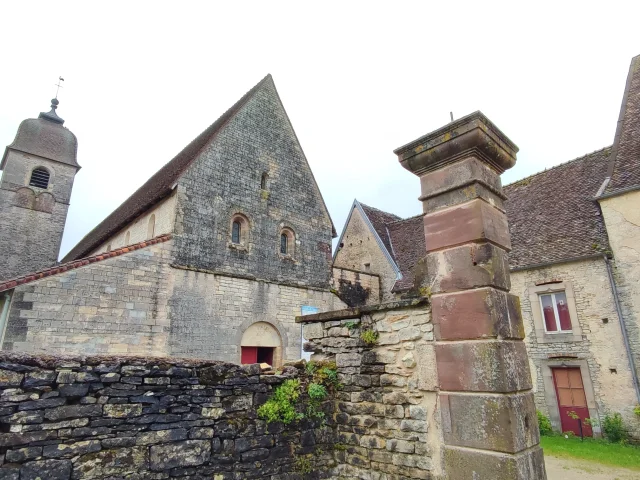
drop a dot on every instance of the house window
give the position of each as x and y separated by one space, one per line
263 181
284 240
39 178
367 267
555 311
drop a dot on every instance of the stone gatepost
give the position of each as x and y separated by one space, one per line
489 421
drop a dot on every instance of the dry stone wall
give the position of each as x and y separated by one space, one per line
146 418
386 420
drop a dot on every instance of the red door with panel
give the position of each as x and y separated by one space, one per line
572 401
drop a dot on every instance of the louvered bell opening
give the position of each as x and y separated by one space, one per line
39 178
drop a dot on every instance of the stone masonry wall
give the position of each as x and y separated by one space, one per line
622 218
360 247
225 180
205 306
114 306
601 345
356 288
30 239
146 418
387 417
165 213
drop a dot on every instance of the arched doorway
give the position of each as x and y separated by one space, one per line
261 343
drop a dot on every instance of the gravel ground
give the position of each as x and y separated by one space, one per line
570 469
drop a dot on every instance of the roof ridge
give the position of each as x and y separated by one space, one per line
72 265
381 211
173 169
408 218
557 166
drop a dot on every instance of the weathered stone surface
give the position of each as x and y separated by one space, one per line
119 461
464 463
124 410
21 454
46 469
479 313
39 378
69 450
483 366
73 411
182 454
161 436
9 378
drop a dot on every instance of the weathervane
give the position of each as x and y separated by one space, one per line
60 79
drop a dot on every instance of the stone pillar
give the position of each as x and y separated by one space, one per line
488 415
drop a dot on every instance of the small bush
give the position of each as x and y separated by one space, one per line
281 407
317 391
303 465
636 410
613 428
370 337
544 423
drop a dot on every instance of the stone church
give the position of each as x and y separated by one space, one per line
213 257
575 264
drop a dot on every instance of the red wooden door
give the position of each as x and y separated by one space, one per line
248 355
571 400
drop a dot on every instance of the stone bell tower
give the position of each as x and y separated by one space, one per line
38 169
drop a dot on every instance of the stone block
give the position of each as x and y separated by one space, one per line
473 221
483 366
479 465
348 359
161 436
503 423
181 454
73 411
21 454
311 331
120 462
9 378
79 448
123 410
426 365
479 313
49 469
39 378
467 267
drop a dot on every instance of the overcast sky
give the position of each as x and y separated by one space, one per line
358 79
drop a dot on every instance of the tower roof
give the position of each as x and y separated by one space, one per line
45 137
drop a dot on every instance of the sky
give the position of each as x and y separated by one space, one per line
358 79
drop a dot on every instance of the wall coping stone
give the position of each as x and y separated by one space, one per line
358 311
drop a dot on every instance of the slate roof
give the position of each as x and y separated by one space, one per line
379 220
407 241
64 267
624 169
552 218
160 184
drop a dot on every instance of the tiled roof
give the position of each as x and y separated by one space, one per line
157 187
65 267
552 215
625 162
407 239
379 220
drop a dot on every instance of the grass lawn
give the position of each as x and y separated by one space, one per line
600 451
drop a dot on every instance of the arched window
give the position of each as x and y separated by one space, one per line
39 178
263 181
240 230
127 238
235 231
287 242
151 228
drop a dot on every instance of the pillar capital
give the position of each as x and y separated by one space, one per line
471 136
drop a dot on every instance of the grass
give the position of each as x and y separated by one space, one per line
600 451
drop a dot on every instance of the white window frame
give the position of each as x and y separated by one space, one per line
555 311
534 309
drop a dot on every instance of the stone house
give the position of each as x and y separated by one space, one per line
575 264
213 257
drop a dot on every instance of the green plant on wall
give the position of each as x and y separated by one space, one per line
296 399
636 410
369 337
351 325
613 428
